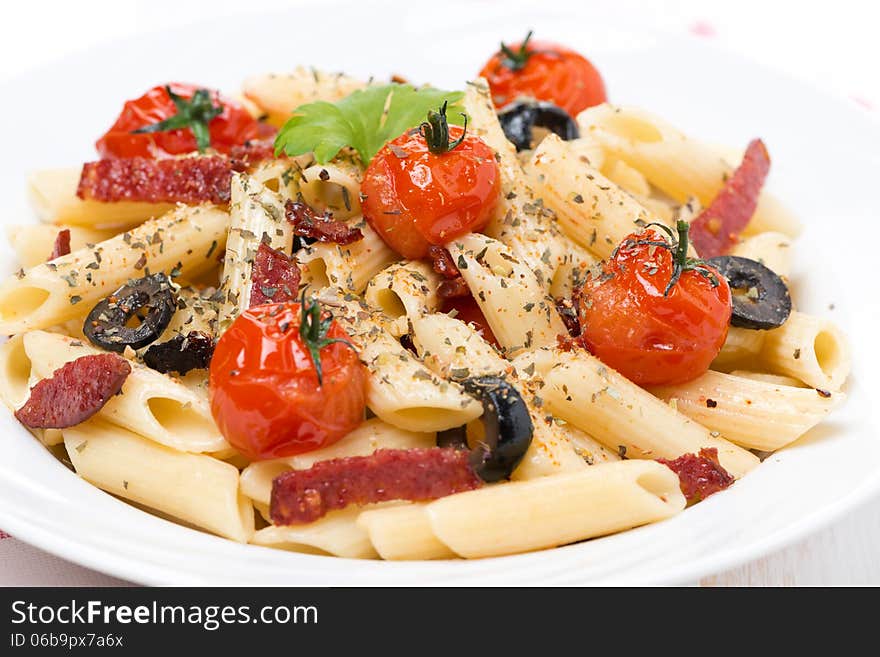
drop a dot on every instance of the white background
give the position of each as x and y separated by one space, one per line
832 45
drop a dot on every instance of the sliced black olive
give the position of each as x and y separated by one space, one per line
181 354
507 424
519 118
151 299
763 301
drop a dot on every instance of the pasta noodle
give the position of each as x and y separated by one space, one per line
151 404
551 511
333 188
69 286
404 292
810 349
53 197
741 349
581 390
277 95
348 267
338 533
400 389
518 311
591 209
679 166
771 249
257 215
403 533
193 488
33 244
752 413
521 222
451 348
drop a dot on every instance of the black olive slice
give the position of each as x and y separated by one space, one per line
181 354
508 429
151 298
760 297
519 118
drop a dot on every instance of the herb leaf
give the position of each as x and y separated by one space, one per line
194 114
313 329
365 120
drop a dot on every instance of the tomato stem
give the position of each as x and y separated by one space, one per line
436 131
517 60
194 114
682 263
313 328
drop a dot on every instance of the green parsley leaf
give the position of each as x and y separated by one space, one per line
365 120
194 114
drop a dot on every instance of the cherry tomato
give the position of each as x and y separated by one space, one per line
650 335
421 189
544 71
265 393
233 126
469 312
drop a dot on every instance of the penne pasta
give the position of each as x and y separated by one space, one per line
277 95
403 533
674 163
338 533
256 216
151 404
400 389
192 488
582 391
521 222
591 210
185 240
404 292
550 511
810 349
755 414
349 267
771 249
334 187
514 303
33 243
52 194
741 349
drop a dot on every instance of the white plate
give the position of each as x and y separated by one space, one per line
826 156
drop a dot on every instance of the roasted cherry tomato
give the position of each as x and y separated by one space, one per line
423 189
467 310
544 71
285 381
655 315
200 112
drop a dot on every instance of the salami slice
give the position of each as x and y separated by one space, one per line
275 277
303 496
191 179
699 475
309 224
62 244
716 230
74 392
